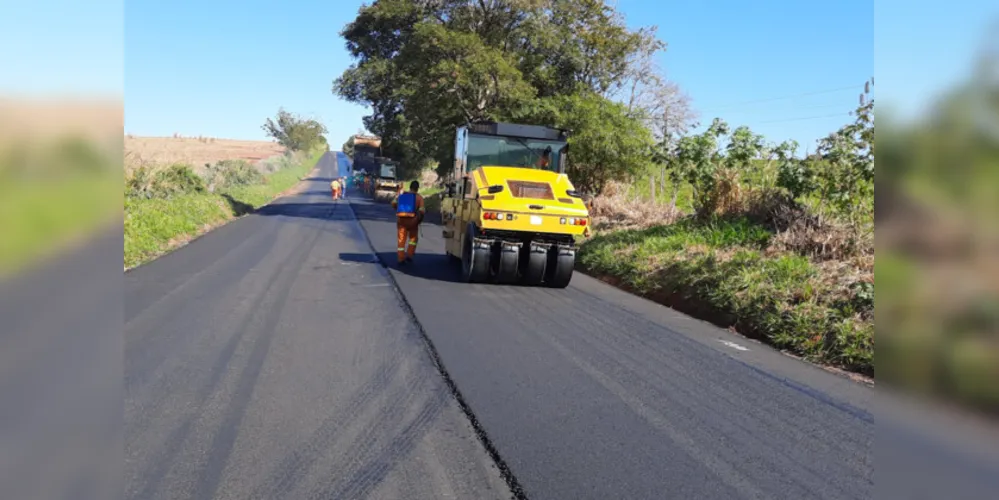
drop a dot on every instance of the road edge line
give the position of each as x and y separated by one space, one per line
505 472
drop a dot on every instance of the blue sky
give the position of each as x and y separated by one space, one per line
75 53
220 68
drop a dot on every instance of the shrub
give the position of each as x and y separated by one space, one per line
230 173
163 182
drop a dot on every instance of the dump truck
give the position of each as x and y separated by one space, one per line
510 213
386 184
366 149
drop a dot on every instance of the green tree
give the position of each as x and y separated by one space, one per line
844 178
348 147
427 67
698 160
606 142
296 133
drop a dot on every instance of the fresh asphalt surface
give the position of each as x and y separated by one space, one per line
273 358
260 364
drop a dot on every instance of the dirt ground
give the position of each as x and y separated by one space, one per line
196 150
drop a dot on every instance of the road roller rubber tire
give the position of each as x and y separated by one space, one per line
533 264
560 267
474 261
507 264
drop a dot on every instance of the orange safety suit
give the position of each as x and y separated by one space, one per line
335 186
408 229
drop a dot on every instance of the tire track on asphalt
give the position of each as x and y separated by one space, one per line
516 489
227 432
387 439
143 340
377 467
179 437
298 463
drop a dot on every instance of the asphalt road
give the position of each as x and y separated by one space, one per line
284 356
260 364
60 375
590 392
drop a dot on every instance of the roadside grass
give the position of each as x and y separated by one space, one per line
726 271
39 218
167 216
52 194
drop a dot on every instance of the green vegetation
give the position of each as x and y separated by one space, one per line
51 193
777 246
720 269
425 68
165 206
296 133
938 182
431 197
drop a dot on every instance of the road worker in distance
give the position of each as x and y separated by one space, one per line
335 188
409 213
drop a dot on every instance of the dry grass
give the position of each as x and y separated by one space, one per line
758 261
615 210
196 151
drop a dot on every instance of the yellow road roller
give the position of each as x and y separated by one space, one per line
510 213
386 183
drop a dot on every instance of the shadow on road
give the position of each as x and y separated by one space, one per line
327 180
321 211
239 208
433 267
318 192
372 211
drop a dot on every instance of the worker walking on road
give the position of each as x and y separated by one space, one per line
335 188
409 213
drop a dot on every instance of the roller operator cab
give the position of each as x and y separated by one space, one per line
386 183
510 213
366 150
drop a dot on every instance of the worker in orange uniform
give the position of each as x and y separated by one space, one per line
409 213
367 183
335 187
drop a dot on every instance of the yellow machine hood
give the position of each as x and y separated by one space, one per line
527 189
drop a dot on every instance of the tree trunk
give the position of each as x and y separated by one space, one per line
662 180
672 201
